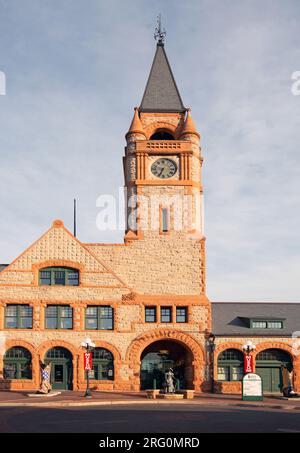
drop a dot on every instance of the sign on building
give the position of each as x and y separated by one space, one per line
87 361
252 387
248 364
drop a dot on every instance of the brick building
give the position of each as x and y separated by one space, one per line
143 302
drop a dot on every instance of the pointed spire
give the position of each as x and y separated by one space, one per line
189 125
136 126
161 93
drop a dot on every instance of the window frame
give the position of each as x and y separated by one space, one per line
66 270
185 316
18 316
229 365
148 307
99 363
164 220
18 362
100 318
161 315
267 323
59 317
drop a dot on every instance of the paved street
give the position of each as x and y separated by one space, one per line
144 419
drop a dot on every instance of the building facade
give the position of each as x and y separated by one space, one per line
143 303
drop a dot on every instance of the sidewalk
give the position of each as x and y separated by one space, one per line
68 398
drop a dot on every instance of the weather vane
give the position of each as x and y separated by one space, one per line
160 34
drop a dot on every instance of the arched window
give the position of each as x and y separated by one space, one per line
230 365
103 364
64 276
274 355
162 135
17 364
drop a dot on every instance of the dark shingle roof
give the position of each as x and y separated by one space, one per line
161 93
227 318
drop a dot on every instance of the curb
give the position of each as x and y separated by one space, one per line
56 404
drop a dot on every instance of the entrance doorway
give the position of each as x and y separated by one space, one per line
269 364
159 357
61 368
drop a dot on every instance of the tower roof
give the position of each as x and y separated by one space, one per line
161 93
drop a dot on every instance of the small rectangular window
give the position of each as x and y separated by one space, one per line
99 318
59 317
105 318
181 314
275 325
223 373
259 325
59 278
73 278
237 373
150 314
166 314
165 227
45 277
18 317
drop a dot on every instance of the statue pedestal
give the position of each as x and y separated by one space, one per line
170 396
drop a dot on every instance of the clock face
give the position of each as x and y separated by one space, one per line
164 168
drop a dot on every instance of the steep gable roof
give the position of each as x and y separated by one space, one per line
59 245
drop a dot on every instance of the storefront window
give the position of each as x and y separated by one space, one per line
230 365
17 364
103 364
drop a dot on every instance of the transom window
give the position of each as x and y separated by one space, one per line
99 318
103 364
59 317
18 317
166 314
230 365
274 355
181 314
63 276
150 314
17 364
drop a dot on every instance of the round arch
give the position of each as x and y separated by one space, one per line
271 358
105 345
138 345
34 357
160 126
273 345
47 345
44 347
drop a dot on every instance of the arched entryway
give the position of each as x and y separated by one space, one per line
269 365
159 357
61 368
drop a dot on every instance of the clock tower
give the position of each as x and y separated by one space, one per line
162 163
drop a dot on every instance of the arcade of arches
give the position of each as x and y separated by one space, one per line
20 366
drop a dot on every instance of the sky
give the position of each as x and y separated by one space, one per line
76 69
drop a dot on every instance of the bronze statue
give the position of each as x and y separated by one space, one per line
168 385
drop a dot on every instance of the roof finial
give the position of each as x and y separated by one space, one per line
160 34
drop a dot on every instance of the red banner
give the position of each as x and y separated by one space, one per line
248 364
87 361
